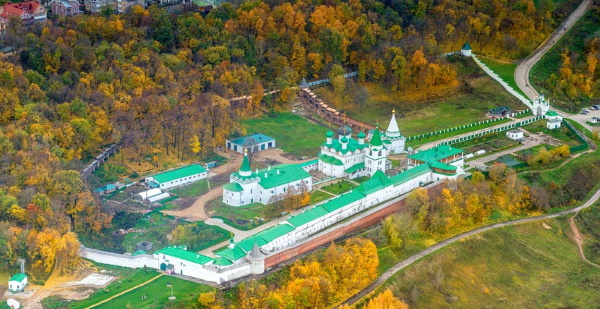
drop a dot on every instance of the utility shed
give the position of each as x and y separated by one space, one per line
178 177
17 282
254 143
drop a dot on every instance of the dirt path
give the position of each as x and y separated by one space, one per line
131 289
416 257
196 211
578 238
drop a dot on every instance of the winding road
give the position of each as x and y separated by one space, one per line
522 79
524 67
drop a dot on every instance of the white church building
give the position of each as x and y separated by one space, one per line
265 186
345 156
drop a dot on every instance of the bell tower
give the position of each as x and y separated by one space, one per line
375 157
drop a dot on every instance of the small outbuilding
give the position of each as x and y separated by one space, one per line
595 120
17 283
13 303
466 50
177 177
254 143
499 111
515 135
553 120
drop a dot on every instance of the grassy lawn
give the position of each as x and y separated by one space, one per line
525 266
339 187
505 70
153 227
156 291
241 217
563 133
318 196
157 294
463 105
129 278
293 133
194 190
550 64
444 135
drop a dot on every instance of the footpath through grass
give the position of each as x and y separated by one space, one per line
131 279
292 133
505 70
525 266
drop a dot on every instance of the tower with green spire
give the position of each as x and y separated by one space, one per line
375 156
245 169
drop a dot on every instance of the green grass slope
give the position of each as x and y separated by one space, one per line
526 266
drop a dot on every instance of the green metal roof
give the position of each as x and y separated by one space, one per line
343 200
307 216
18 277
232 254
221 261
248 243
245 167
315 161
355 168
329 134
410 174
442 166
287 173
436 153
377 182
551 113
466 46
500 110
274 232
253 139
233 187
376 140
331 160
185 255
361 134
351 146
138 252
181 172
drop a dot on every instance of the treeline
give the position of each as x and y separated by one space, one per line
313 283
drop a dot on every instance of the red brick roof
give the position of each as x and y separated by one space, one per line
18 8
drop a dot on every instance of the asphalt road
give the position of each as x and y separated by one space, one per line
524 67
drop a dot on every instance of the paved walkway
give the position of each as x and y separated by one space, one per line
126 291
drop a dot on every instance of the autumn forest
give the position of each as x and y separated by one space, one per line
157 82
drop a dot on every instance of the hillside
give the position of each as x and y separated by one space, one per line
533 265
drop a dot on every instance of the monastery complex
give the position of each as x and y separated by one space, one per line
342 156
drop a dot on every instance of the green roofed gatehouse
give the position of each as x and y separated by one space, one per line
177 177
253 143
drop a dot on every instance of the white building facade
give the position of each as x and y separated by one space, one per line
265 186
178 177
